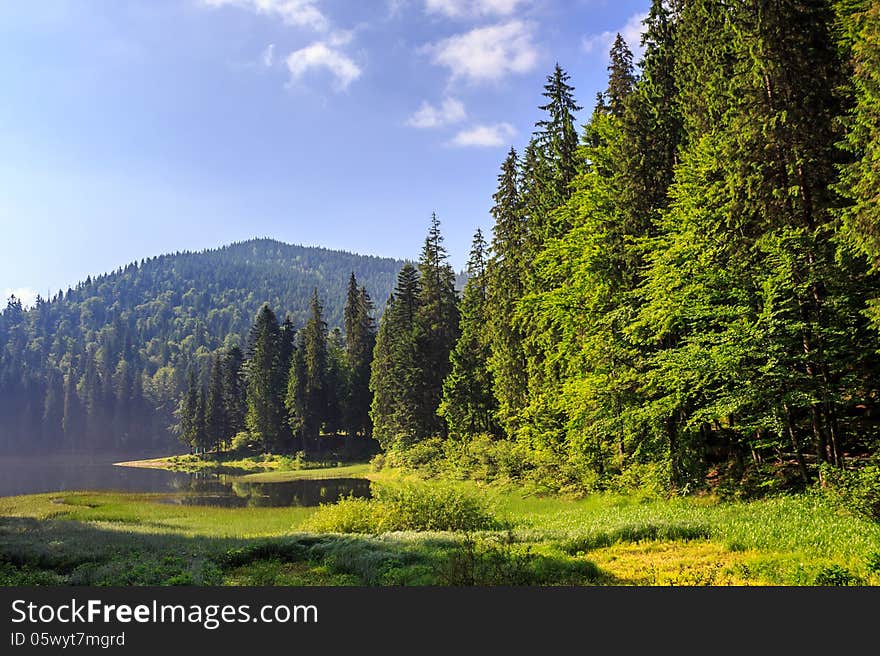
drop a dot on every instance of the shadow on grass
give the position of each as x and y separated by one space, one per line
70 552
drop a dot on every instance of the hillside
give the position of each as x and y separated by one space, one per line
102 364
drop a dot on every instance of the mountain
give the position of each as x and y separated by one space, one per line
103 364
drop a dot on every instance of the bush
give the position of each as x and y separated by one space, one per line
405 507
242 442
348 515
835 575
430 507
646 480
856 489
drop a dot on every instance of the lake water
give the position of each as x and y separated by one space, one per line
59 474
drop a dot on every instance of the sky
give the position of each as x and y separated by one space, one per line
132 128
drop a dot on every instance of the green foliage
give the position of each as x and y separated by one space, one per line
350 515
406 506
835 575
857 489
859 23
264 376
468 404
242 442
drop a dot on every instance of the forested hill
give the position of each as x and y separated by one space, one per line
102 365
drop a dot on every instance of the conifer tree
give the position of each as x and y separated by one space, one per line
621 78
189 410
505 274
265 381
308 399
360 340
396 372
234 391
437 327
860 34
216 422
468 404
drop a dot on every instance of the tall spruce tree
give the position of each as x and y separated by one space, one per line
234 390
360 340
216 420
396 372
437 327
505 274
860 35
550 164
188 412
308 400
265 382
468 405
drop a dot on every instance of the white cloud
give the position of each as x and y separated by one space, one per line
428 116
488 53
472 8
485 136
300 13
631 33
269 55
26 295
320 55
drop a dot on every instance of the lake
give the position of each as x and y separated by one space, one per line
68 473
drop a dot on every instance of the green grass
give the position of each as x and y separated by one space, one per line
104 538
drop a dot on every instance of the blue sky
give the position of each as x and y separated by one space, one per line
130 128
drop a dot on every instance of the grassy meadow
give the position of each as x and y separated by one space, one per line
414 532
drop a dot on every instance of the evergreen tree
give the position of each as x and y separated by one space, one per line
548 171
621 78
234 391
396 373
338 379
360 340
308 399
505 273
860 28
189 410
556 135
468 404
437 327
217 425
200 427
265 382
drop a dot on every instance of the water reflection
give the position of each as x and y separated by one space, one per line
70 473
240 494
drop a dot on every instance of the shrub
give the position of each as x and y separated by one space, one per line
348 515
242 442
647 480
856 489
405 507
430 507
377 462
872 562
835 575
